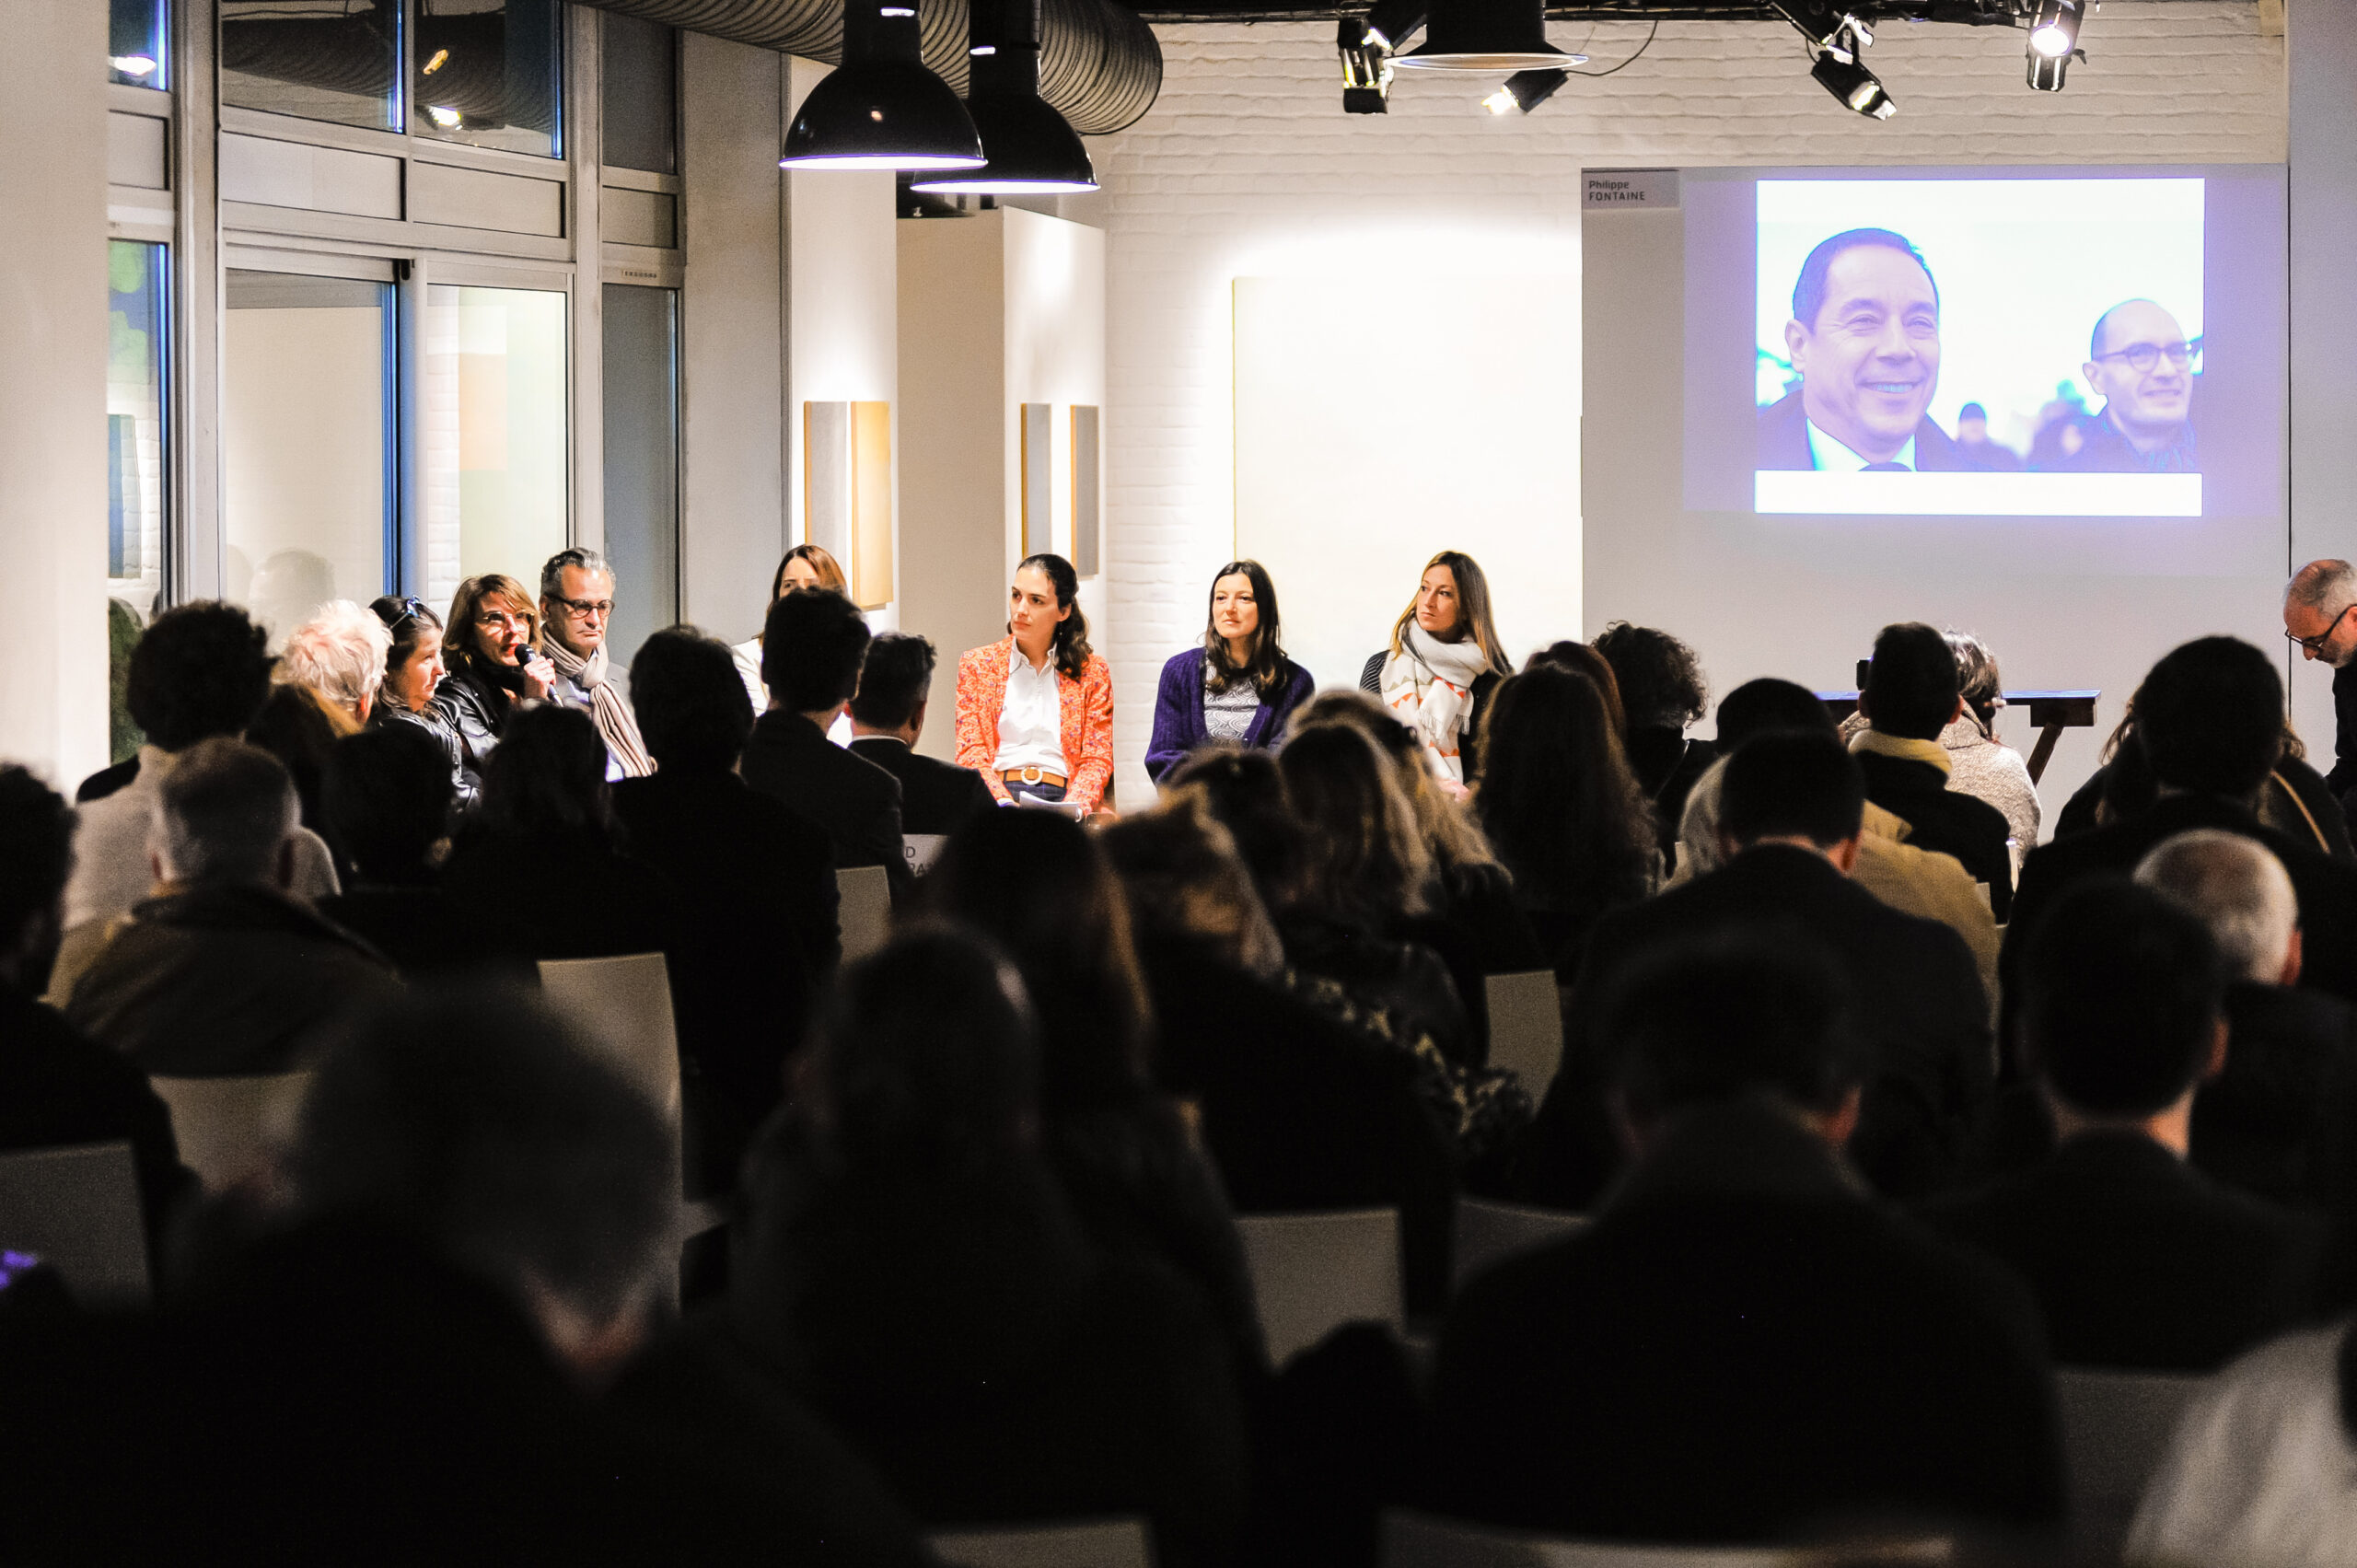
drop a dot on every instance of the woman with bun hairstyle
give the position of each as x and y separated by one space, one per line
1443 660
1035 708
1238 686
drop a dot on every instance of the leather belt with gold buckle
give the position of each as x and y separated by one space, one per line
1031 776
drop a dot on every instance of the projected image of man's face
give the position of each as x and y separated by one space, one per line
1870 361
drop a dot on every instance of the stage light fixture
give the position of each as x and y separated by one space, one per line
2054 40
1391 23
1526 91
1033 150
1487 36
881 109
1367 68
1836 40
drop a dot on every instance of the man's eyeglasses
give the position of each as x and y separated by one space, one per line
583 609
2316 645
2141 357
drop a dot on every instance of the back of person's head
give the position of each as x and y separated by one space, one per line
1037 882
928 1060
1757 707
340 653
1245 793
201 670
2210 717
1187 885
1363 862
36 857
1792 785
388 793
300 728
222 815
1660 680
812 645
482 1124
1555 793
693 709
1912 684
548 774
896 680
1978 679
2121 990
1447 829
1581 659
2236 888
1732 1018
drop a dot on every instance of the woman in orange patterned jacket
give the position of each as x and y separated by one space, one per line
1035 708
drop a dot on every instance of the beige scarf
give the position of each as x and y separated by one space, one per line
1429 686
615 721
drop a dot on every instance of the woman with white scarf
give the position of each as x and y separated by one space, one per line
1443 660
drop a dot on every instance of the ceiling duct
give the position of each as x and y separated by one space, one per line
1100 65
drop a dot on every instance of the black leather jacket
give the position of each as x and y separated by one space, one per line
475 712
466 783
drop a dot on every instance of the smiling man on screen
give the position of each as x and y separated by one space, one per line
2139 359
1864 338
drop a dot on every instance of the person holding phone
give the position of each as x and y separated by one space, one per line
1238 686
490 651
1035 708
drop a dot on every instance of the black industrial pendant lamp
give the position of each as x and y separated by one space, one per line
881 109
1493 37
1032 150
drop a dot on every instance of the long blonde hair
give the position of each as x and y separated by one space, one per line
1472 610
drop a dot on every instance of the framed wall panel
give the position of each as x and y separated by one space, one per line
1039 478
1087 488
827 477
870 561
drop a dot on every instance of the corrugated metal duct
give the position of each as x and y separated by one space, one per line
1099 64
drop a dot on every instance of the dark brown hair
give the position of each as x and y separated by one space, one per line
1266 667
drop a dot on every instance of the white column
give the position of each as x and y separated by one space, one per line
2322 50
53 386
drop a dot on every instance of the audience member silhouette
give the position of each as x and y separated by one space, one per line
1661 690
1245 794
2136 1259
1791 806
1742 1347
223 973
887 718
388 794
1913 692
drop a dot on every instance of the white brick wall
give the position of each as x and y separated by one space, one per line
1248 164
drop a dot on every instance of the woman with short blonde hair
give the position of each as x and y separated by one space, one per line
340 653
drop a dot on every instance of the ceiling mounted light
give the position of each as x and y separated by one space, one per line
1367 67
881 109
443 115
1033 150
1526 91
132 64
1836 42
2054 39
1487 36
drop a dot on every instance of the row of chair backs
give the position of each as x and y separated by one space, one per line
863 910
230 1129
1526 1027
623 1004
1086 1543
1421 1541
1313 1272
77 1210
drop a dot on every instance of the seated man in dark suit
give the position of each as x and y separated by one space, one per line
757 893
2209 727
1744 1347
1864 339
1791 805
886 717
2278 1122
811 651
1912 694
2136 1259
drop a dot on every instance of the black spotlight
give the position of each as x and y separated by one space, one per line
1836 42
2053 39
1367 68
1487 36
1526 90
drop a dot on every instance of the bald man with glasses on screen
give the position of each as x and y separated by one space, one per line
2316 606
2139 359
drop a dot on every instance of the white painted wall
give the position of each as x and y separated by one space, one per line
52 388
1246 166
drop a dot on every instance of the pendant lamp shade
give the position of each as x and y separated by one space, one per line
1492 37
881 109
1032 150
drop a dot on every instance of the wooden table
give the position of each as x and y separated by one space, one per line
2050 712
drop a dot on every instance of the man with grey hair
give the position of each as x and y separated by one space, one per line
576 608
2316 616
2278 1121
223 972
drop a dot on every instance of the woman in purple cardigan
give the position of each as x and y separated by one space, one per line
1239 686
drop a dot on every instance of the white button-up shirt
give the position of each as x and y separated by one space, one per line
1030 725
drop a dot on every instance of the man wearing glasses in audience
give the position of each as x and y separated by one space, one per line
577 606
2317 616
2139 359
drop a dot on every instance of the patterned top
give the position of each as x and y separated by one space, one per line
1228 716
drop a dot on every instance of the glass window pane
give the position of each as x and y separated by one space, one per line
637 97
135 427
495 410
490 72
642 341
306 449
135 46
335 60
